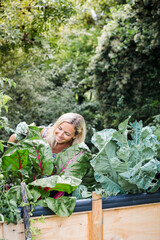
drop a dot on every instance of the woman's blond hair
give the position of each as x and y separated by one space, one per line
78 122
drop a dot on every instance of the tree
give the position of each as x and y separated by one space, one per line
25 29
49 66
4 99
126 67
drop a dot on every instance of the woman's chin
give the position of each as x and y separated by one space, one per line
59 140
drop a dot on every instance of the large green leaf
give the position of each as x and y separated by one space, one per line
102 161
122 127
102 137
58 183
40 154
63 206
73 161
121 139
110 187
141 176
119 166
16 161
128 161
127 186
14 193
34 132
29 157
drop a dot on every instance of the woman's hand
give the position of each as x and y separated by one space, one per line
21 131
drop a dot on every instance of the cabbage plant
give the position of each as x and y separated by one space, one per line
127 161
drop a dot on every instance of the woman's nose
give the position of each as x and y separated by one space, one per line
61 133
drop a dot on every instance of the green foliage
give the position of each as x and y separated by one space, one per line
128 159
24 22
8 207
58 205
30 160
125 68
25 45
4 99
48 56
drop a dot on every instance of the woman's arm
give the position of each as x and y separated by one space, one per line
13 139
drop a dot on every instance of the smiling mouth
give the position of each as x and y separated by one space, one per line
59 139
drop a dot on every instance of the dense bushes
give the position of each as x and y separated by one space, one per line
126 67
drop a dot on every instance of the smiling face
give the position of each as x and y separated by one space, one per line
65 133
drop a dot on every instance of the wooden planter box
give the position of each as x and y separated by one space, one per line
130 217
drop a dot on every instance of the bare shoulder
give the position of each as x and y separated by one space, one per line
43 131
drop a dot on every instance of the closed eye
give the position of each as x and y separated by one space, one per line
68 134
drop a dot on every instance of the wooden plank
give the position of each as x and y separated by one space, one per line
127 223
1 230
75 227
97 217
90 237
132 223
14 231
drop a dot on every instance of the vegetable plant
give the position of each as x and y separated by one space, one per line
50 182
127 161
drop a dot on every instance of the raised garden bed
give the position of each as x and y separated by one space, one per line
127 162
127 217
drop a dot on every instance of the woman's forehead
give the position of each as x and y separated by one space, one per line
68 127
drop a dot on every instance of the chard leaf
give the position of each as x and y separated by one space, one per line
63 206
110 187
36 194
73 161
16 160
89 180
58 183
34 132
40 154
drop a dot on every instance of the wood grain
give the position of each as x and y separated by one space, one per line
132 223
97 219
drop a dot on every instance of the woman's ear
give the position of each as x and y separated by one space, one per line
75 136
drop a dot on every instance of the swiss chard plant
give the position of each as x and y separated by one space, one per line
50 182
128 159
